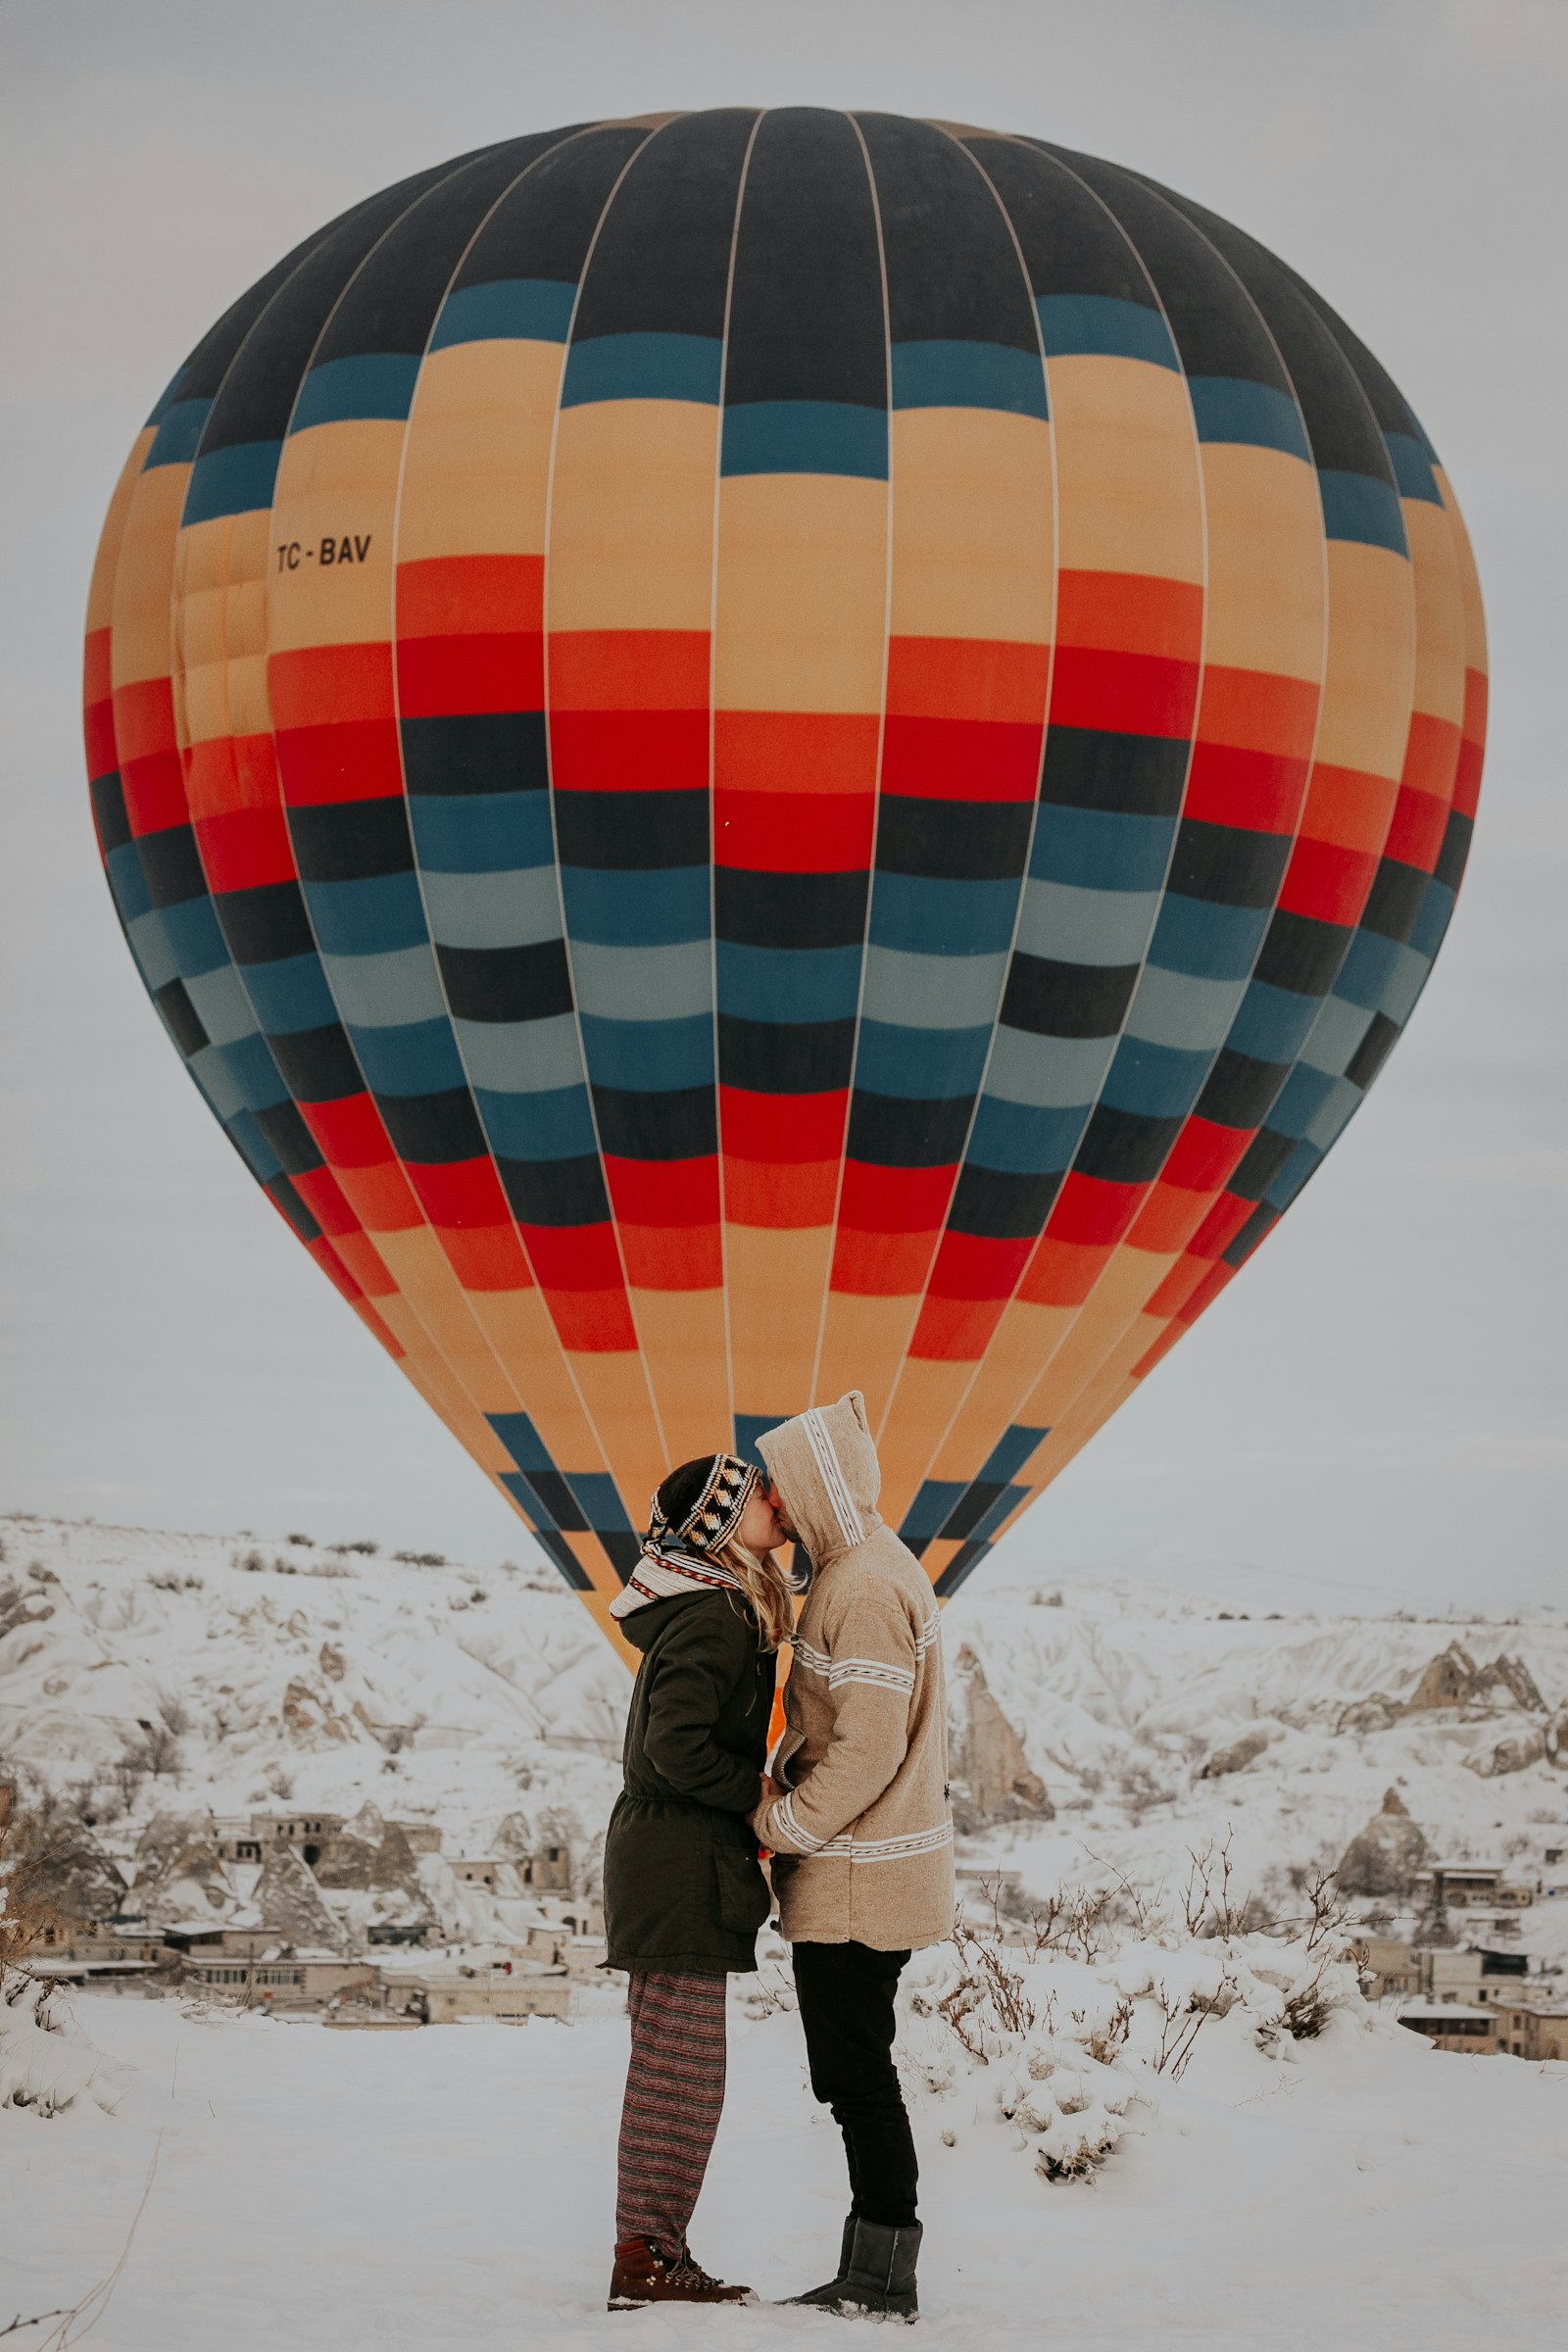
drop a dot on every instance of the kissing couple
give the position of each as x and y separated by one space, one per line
853 1807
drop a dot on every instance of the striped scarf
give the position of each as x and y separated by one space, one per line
662 1572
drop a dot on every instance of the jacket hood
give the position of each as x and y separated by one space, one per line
824 1466
643 1624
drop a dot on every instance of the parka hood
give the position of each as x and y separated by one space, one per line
824 1466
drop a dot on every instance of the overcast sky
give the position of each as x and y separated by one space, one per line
1374 1415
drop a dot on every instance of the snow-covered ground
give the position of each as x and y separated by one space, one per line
307 2186
453 2188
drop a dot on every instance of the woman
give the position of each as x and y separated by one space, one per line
708 1606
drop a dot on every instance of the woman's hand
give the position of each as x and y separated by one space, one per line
770 1790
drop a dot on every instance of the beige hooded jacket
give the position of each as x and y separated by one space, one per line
863 1839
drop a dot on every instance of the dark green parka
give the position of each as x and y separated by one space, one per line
683 1887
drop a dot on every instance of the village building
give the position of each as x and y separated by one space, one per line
1470 1887
1389 1969
283 1980
307 1832
1533 2032
479 1981
1475 1977
1468 2032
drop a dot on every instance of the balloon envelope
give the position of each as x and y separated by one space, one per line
756 752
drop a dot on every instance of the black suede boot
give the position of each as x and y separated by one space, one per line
828 2295
878 2281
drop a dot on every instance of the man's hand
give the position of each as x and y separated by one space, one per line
770 1790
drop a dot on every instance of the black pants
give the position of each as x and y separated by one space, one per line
845 1992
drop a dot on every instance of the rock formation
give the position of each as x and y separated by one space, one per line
1455 1679
290 1901
1517 1753
369 1853
1385 1856
993 1780
1237 1757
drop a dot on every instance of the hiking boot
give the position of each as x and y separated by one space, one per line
642 2273
827 2296
877 2280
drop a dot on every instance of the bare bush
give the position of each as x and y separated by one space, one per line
153 1750
419 1559
173 1713
307 1542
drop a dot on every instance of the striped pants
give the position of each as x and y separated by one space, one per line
674 2096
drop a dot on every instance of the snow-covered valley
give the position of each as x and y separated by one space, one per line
1136 2134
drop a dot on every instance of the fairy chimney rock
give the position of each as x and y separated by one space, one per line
993 1778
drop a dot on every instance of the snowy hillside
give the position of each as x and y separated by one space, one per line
180 1673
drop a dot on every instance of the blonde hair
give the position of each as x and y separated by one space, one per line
769 1586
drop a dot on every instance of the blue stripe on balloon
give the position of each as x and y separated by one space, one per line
930 917
1358 508
1228 408
522 309
231 481
178 433
371 383
648 1056
1272 1023
521 1441
482 832
1412 461
643 367
1205 940
1011 1450
788 984
806 436
556 1124
921 1065
657 908
1017 1139
1154 1082
1096 848
290 995
368 916
1103 324
419 1059
957 374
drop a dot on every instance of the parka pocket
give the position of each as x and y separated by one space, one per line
743 1897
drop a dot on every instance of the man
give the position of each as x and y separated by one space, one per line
858 1825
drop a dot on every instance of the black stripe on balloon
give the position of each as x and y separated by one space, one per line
891 1131
172 867
785 1057
1373 1052
1302 954
265 923
1067 999
1239 1090
558 1500
630 832
681 1123
1341 425
542 228
1394 901
507 984
395 296
1454 855
790 911
1000 1206
1212 320
108 812
660 261
564 1557
1226 864
180 1017
959 841
1122 1147
350 841
962 1563
1128 776
1262 1221
1260 1164
256 398
286 1200
318 1066
1068 242
806 307
953 267
485 752
289 1137
433 1130
554 1192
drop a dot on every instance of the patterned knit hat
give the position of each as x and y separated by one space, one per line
710 1521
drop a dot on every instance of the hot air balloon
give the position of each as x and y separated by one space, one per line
755 752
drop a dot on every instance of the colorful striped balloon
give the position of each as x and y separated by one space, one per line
751 753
